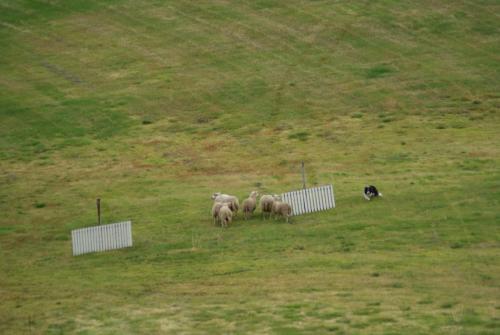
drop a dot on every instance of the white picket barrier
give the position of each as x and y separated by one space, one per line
310 200
102 238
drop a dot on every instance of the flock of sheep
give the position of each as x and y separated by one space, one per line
226 207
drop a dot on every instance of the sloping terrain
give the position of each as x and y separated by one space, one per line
152 106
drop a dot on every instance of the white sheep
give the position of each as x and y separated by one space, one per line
249 204
232 200
215 211
266 203
281 208
225 215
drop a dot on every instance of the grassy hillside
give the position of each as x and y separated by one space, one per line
153 106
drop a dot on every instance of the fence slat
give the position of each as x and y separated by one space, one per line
89 240
310 200
314 200
105 237
125 240
319 198
330 197
130 241
305 200
119 226
101 238
301 201
98 238
324 201
326 192
323 198
73 237
113 236
79 241
305 196
333 198
295 202
298 204
124 232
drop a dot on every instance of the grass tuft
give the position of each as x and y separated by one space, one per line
301 136
379 71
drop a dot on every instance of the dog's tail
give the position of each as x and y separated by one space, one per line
380 194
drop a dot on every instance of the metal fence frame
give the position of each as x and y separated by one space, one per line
310 200
101 238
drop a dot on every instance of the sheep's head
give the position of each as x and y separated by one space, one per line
215 195
254 194
277 197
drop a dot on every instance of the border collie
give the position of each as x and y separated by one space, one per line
371 192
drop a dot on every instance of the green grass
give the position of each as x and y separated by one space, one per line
153 106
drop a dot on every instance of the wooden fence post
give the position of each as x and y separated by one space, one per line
98 203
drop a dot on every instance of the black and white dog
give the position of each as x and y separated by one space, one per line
371 192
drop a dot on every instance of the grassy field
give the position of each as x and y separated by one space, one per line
153 106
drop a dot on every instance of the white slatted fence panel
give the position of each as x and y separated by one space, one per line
102 238
310 199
